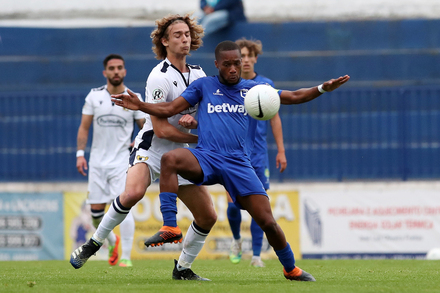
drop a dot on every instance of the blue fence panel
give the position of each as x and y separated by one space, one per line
38 131
363 134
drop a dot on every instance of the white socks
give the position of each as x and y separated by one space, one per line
110 220
127 231
193 243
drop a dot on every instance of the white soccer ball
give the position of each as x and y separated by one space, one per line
262 102
433 254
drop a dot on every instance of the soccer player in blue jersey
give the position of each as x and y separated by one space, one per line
221 156
250 49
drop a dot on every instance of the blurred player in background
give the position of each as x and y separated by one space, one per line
173 39
226 134
113 128
250 49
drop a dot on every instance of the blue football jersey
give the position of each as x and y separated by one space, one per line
259 152
223 123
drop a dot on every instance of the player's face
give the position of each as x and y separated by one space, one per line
115 72
249 59
179 39
229 66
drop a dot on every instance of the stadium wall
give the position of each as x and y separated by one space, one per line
382 125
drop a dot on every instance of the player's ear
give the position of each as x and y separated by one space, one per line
256 59
103 73
164 42
216 64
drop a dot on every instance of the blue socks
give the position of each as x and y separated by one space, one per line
286 258
257 238
168 207
234 217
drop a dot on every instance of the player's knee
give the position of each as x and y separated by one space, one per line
206 221
168 160
131 196
268 225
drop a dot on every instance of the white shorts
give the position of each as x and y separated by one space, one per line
152 159
105 184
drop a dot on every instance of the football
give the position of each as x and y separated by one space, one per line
433 254
262 102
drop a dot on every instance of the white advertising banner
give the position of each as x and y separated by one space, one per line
368 223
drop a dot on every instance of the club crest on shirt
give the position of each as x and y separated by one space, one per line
158 95
243 92
141 158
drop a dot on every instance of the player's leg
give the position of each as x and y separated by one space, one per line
138 179
98 212
179 161
98 197
127 228
262 170
257 242
199 202
234 218
116 183
259 208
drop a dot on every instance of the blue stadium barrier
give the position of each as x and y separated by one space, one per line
382 125
363 134
348 134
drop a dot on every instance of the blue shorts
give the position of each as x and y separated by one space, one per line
234 173
261 166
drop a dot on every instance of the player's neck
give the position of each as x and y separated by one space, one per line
113 90
248 75
178 61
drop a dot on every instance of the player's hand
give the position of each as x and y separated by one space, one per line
333 84
81 165
130 101
188 121
281 161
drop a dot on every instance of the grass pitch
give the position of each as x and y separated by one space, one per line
155 276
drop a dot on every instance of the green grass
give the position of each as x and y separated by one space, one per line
155 276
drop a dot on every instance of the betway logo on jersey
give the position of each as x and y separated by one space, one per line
226 108
111 121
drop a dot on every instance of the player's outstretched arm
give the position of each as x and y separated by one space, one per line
168 109
307 94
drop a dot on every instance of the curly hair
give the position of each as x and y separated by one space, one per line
196 32
254 46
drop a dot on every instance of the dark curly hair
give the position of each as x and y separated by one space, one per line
196 32
254 46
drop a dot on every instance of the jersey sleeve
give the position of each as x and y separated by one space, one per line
88 106
156 90
194 92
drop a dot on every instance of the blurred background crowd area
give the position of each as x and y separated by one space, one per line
256 10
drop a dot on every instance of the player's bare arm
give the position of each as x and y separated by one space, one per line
163 129
81 142
305 95
277 130
168 109
188 121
